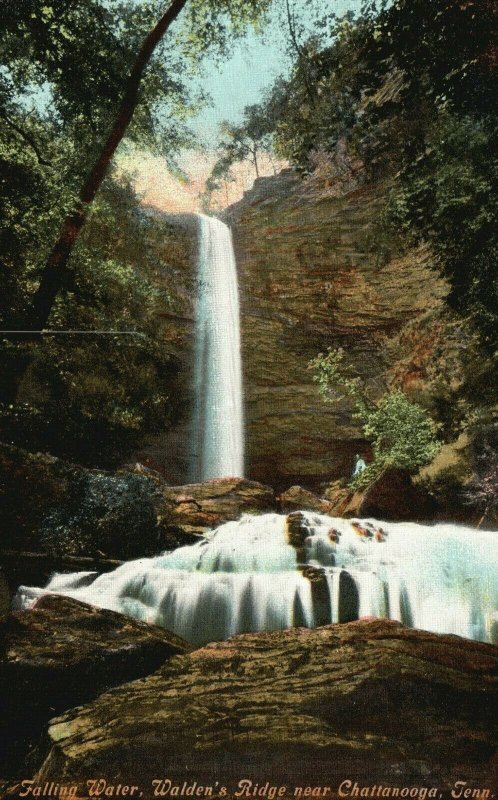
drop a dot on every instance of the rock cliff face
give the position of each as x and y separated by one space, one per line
370 700
308 280
168 452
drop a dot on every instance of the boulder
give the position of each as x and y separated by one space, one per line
297 498
191 510
344 501
49 506
393 496
62 653
371 701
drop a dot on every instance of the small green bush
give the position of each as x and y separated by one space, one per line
402 433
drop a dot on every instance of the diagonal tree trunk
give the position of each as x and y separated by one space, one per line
57 261
55 271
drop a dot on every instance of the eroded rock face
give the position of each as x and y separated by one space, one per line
62 653
308 280
370 700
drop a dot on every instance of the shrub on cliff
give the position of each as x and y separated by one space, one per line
402 433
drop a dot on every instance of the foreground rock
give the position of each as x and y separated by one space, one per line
63 653
371 701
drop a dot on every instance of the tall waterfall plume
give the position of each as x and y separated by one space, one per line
217 438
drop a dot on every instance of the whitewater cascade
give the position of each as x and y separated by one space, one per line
271 572
217 440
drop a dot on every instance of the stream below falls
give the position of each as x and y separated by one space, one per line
273 571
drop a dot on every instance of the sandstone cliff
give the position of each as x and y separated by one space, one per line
308 280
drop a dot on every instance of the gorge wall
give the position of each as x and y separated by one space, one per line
309 279
176 248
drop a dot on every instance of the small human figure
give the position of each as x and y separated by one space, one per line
359 466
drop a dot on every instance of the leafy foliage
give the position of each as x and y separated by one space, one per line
94 398
410 88
246 141
401 433
113 514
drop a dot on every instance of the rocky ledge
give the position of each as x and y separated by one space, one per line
48 505
63 653
370 701
199 507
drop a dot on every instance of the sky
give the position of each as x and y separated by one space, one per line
255 62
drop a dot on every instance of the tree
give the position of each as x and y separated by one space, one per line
53 275
220 178
56 273
249 140
401 433
244 141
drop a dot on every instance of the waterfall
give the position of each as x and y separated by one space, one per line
247 576
217 439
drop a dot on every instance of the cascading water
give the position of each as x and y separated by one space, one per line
270 572
217 439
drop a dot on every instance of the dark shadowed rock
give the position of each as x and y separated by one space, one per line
393 496
370 700
62 653
48 505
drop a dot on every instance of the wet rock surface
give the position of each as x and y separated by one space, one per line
371 701
62 653
298 498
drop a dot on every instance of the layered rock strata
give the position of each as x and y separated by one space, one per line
368 701
63 653
309 279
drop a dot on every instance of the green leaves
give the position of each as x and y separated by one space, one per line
402 434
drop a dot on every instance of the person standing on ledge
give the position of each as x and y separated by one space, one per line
359 466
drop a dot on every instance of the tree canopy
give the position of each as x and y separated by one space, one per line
67 75
409 88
